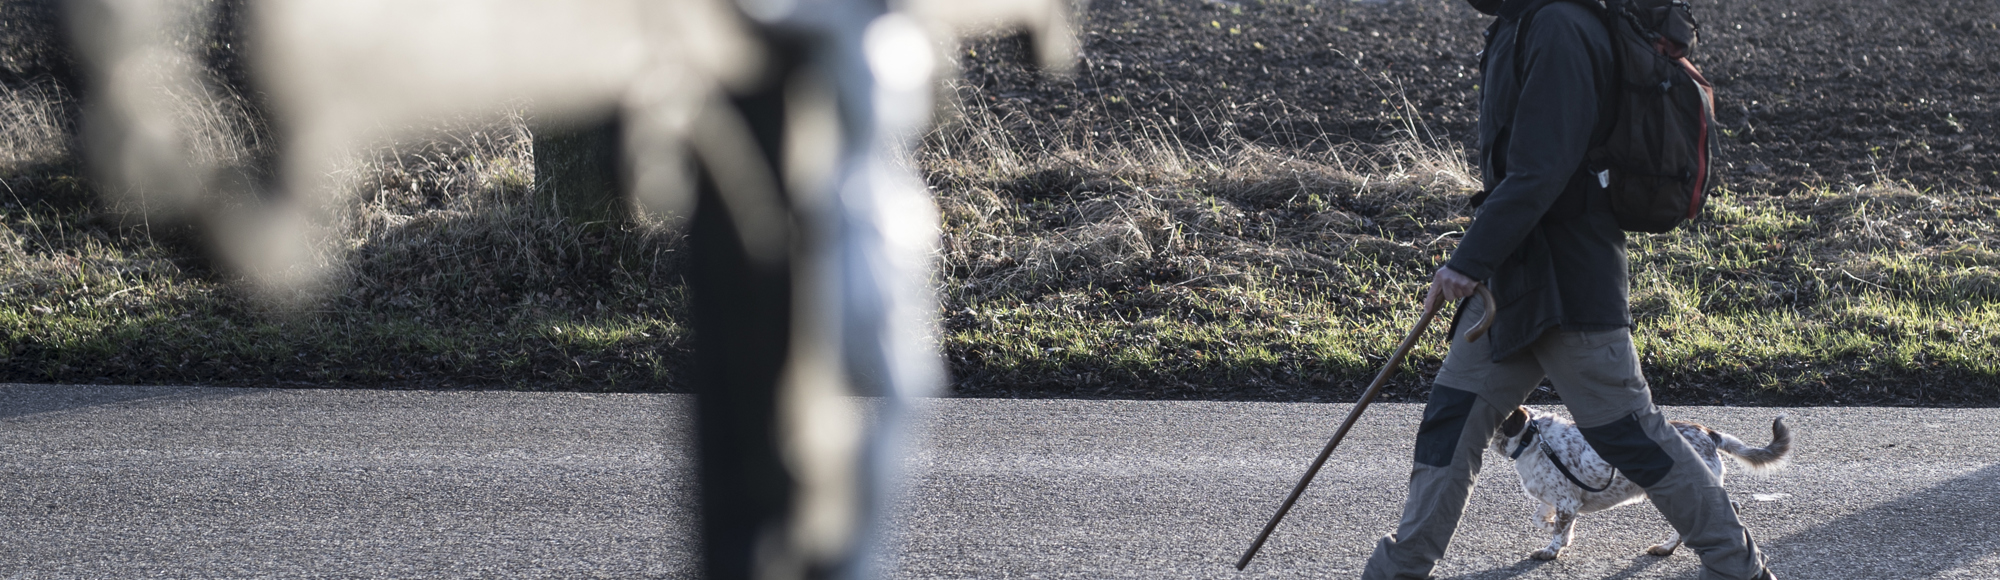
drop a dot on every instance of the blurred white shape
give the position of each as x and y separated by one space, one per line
1047 20
813 139
898 53
132 124
343 76
694 50
374 65
659 111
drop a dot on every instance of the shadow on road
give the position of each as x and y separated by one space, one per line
1636 569
1517 570
1940 515
24 400
1642 563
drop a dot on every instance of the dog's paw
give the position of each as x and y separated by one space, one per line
1661 550
1545 554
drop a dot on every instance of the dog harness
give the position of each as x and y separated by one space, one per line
1530 435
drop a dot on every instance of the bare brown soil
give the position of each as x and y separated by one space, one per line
1811 92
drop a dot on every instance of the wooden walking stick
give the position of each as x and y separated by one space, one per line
1430 311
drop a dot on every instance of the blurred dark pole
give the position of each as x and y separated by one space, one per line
742 323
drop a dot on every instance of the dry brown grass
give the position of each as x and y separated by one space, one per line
1022 220
1078 265
455 225
34 125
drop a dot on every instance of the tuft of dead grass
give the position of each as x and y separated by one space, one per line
34 126
1067 215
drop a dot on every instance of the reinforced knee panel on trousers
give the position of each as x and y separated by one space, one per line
1625 445
1444 421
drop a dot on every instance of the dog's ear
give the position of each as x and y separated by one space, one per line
1515 422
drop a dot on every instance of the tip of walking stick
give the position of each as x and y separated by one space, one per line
1248 554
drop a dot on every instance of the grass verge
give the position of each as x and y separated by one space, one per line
1137 268
1095 266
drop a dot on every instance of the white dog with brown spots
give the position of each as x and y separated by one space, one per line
1562 472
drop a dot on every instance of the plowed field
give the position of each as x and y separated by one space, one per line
1810 92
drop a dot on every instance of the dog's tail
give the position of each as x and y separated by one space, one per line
1759 460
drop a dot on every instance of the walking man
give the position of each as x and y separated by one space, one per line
1546 244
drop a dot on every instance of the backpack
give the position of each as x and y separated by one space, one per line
1653 158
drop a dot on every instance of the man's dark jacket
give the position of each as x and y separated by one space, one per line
1543 238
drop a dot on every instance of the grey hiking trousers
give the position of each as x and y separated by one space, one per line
1597 375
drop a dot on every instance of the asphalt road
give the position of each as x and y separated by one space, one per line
124 482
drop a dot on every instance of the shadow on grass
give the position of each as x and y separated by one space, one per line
608 354
1292 380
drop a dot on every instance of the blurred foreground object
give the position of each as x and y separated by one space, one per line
782 128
